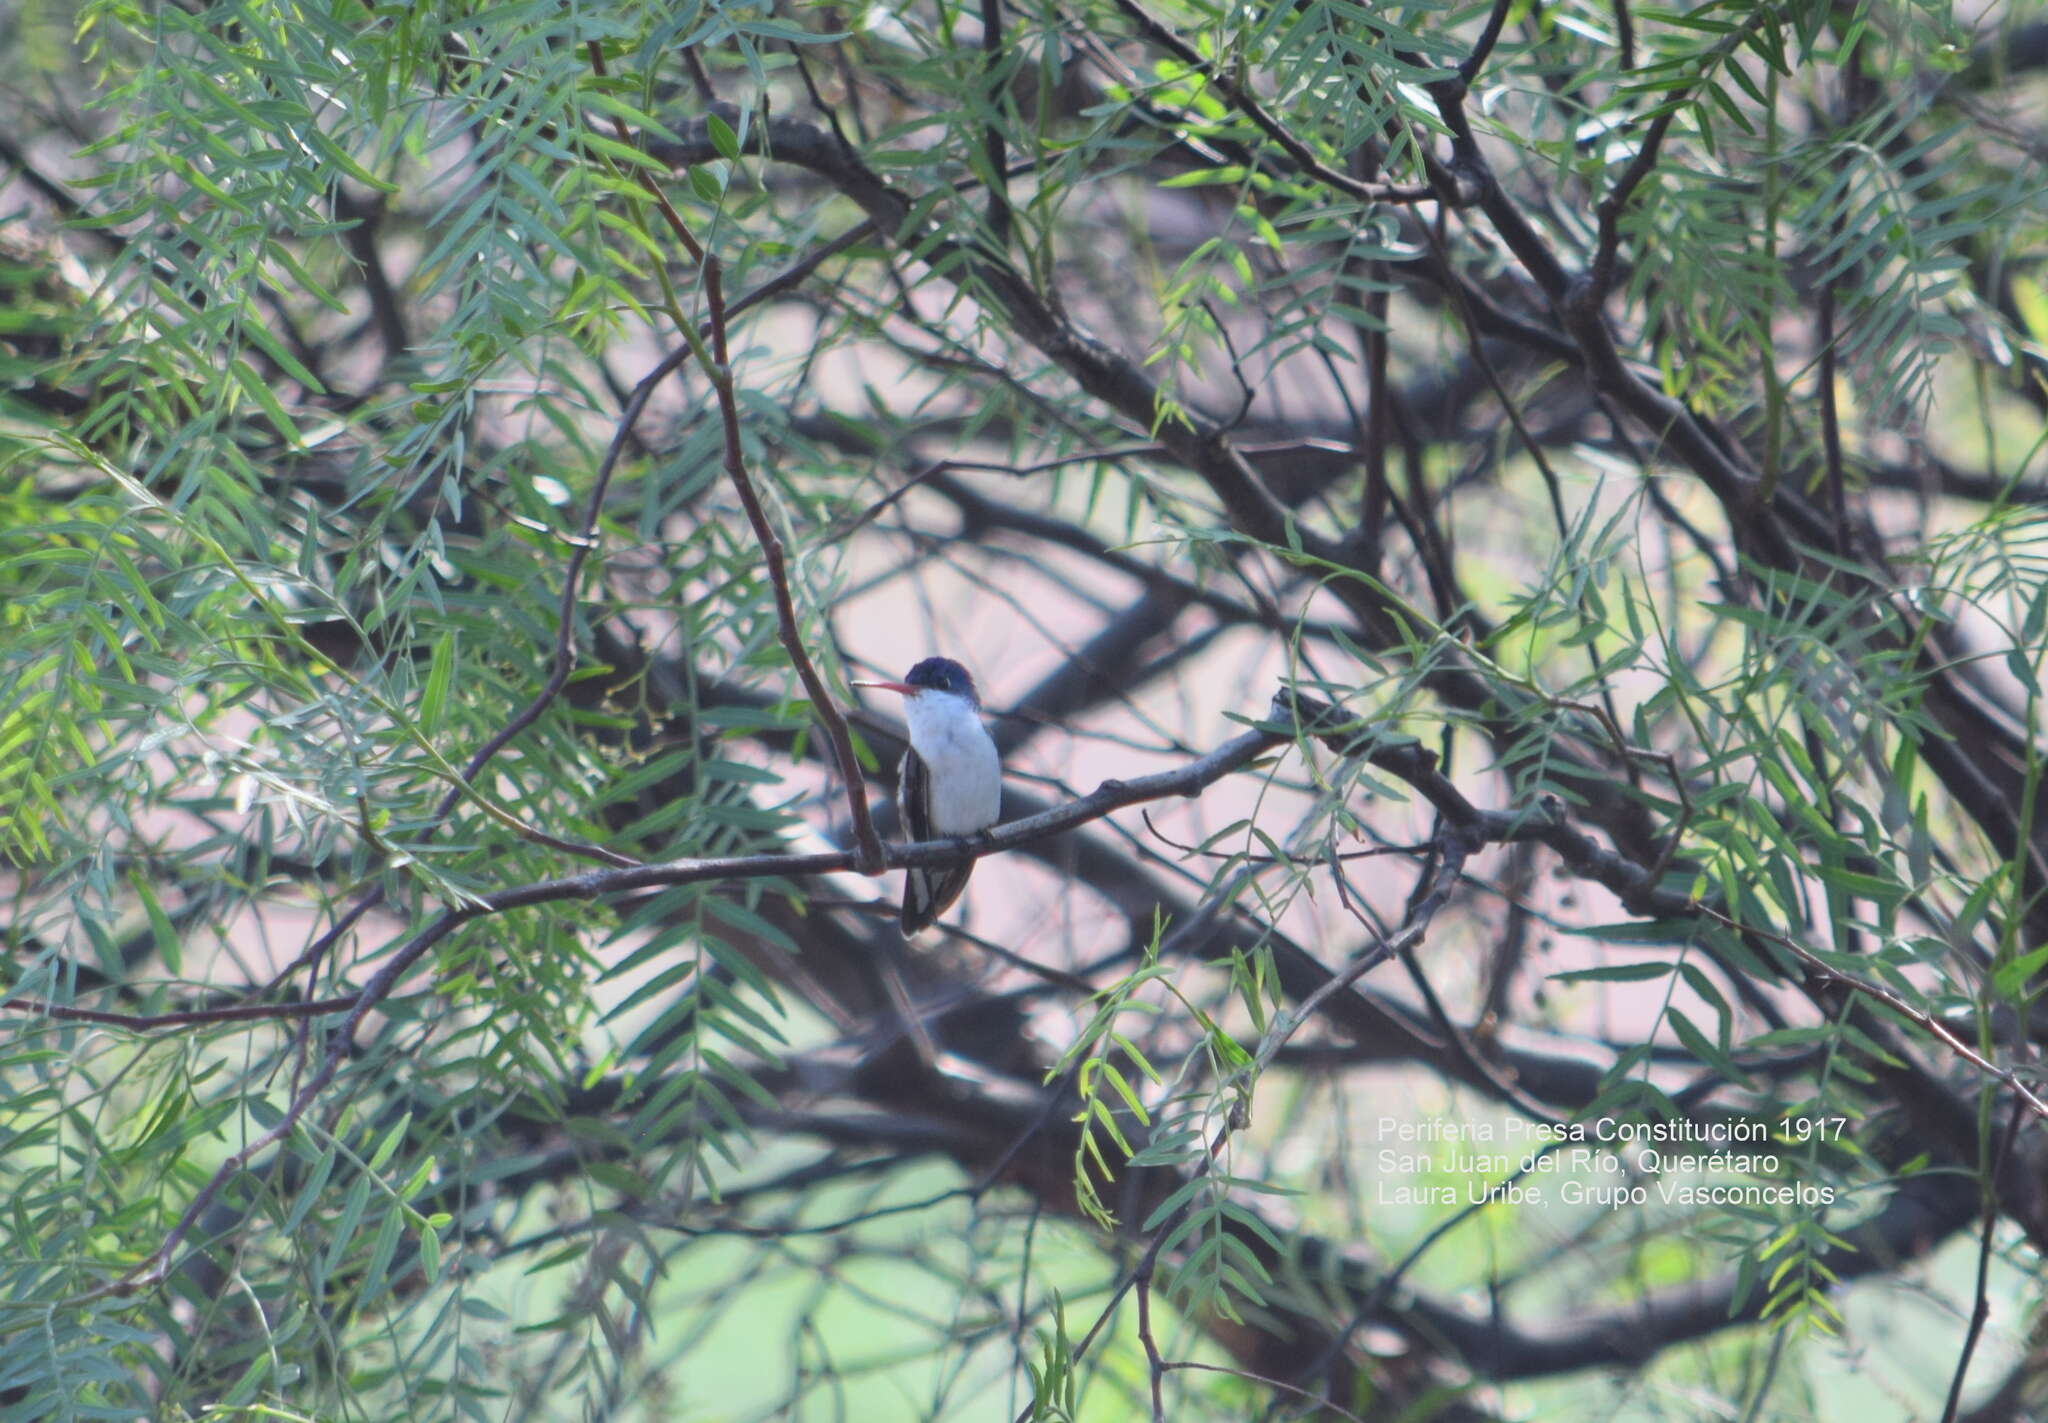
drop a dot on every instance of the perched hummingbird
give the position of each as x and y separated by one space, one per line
951 782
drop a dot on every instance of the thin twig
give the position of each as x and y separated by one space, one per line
1477 347
1250 107
564 659
1456 848
1625 34
1599 279
867 844
1378 423
647 184
183 1017
1926 1022
1488 37
1156 1365
1600 276
1980 1308
1306 862
938 467
796 273
1322 1404
999 215
718 370
1830 417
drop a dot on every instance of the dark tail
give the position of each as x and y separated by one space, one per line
929 893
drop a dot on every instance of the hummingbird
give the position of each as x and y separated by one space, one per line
951 780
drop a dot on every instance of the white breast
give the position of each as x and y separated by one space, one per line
961 765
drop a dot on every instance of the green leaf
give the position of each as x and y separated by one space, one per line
722 137
1615 973
257 390
389 1144
1701 1047
707 183
2012 981
168 942
440 674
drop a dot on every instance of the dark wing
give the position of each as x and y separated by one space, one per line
926 893
913 791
